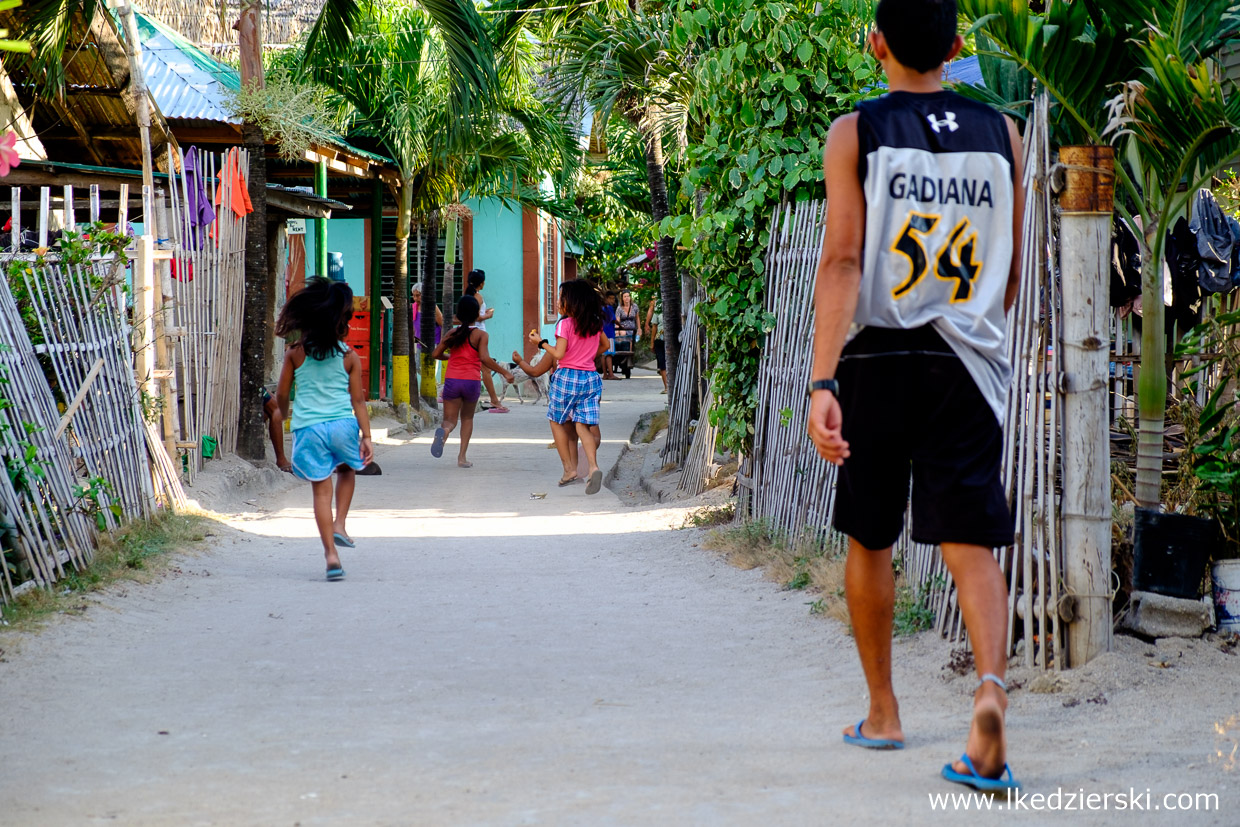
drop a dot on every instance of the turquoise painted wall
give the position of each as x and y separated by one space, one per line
348 236
497 250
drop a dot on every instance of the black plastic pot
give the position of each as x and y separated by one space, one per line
1170 552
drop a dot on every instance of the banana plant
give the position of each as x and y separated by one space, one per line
1172 122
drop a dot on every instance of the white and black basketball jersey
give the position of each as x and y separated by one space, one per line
937 172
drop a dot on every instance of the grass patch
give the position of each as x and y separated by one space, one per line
711 516
809 563
134 552
816 565
648 426
913 613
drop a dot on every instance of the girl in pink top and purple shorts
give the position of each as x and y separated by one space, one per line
576 388
465 348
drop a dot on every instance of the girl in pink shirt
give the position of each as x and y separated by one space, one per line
576 388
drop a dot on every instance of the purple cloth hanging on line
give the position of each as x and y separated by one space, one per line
200 213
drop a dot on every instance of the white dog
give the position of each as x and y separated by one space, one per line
521 379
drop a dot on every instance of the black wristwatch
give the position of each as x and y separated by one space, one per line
832 385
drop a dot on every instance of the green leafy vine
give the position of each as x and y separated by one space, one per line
772 78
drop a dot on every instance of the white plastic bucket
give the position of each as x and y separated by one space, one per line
1227 595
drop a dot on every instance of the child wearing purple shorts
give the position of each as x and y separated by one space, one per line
465 348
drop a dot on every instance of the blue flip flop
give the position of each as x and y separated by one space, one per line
441 436
978 781
335 573
342 540
860 740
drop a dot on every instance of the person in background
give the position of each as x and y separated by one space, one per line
609 330
417 325
628 323
330 408
654 325
275 429
473 287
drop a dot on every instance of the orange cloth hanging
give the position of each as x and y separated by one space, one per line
240 200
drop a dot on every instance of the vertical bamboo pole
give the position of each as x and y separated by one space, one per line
70 213
137 82
1085 232
15 227
45 207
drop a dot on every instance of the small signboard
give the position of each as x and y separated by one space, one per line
297 226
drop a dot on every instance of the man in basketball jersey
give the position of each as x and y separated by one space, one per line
918 270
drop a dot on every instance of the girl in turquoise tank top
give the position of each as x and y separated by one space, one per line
330 409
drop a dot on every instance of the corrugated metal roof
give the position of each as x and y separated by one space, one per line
186 82
964 70
190 85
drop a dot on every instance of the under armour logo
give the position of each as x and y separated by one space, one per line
949 122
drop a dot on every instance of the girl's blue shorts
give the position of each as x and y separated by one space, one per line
318 449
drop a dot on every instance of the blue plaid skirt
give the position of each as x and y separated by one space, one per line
574 394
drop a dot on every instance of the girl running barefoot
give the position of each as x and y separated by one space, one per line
330 407
575 387
462 380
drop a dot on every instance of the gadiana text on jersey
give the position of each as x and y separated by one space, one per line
928 189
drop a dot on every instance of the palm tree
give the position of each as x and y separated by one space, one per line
627 64
424 79
1173 121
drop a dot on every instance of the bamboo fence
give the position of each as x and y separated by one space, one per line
785 484
699 464
77 314
689 372
204 304
40 518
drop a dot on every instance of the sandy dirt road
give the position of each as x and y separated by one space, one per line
493 659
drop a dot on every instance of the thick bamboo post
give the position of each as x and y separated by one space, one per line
1085 244
137 84
144 314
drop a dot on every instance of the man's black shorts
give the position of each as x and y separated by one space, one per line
908 401
660 354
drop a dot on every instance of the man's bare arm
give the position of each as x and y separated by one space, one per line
1018 214
839 267
837 284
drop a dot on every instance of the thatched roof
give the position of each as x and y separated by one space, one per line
209 23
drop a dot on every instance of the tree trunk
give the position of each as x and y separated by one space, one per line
430 289
669 277
255 322
1152 384
449 268
401 315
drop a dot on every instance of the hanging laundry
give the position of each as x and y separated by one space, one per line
1214 243
1125 264
231 173
1182 261
199 212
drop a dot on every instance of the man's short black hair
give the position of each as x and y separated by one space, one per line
919 33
